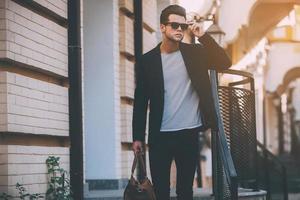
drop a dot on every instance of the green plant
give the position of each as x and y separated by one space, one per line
22 194
59 183
5 196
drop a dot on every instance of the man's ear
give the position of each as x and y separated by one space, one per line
162 28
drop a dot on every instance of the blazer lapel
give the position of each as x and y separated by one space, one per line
158 84
158 71
193 59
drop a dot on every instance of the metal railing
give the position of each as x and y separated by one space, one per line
295 149
273 178
225 185
235 148
236 158
237 106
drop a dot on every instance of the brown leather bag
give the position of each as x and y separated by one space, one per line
136 190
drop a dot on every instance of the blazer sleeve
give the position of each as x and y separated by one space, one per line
216 55
140 105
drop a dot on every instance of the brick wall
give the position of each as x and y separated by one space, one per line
60 7
117 86
126 79
150 20
126 69
126 116
149 13
149 40
32 39
33 93
26 165
33 106
126 35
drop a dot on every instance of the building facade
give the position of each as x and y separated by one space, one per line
34 82
109 82
268 47
34 92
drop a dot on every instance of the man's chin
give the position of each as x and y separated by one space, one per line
175 39
178 39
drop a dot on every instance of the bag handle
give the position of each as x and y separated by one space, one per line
138 157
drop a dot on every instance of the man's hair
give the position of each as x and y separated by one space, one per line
172 9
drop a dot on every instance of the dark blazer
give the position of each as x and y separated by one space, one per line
198 58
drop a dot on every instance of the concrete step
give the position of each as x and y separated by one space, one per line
249 194
203 194
199 194
294 196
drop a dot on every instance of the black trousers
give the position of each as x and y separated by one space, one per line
182 146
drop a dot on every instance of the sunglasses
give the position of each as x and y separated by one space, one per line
175 25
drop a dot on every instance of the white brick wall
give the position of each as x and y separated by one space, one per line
116 54
29 105
26 165
149 40
32 39
60 7
126 35
2 3
127 84
33 106
126 160
3 104
128 4
126 123
127 78
149 13
126 118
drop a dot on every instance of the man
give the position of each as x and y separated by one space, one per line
173 79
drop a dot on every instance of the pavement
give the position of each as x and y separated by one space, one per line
199 194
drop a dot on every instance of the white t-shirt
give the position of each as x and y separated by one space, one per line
181 102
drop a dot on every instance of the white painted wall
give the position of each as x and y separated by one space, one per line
282 57
99 89
296 100
234 14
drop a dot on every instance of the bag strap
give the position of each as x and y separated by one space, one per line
138 157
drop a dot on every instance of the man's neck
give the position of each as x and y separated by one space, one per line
169 46
188 39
